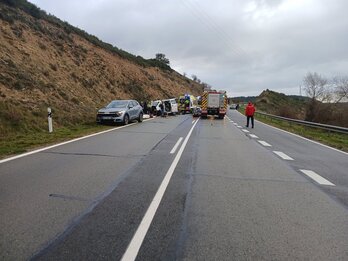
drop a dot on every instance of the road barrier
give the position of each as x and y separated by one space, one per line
307 123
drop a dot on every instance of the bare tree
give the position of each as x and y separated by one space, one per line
340 84
316 86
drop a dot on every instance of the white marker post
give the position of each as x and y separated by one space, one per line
50 126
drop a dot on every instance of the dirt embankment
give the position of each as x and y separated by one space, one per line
42 65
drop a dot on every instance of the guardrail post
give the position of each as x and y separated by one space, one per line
49 116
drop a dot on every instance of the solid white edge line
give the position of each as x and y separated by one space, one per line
176 145
264 143
317 178
283 155
65 142
193 121
137 240
296 135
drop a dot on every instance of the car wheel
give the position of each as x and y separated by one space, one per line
126 119
140 119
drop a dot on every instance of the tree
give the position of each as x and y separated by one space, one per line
162 58
194 77
206 87
340 87
316 86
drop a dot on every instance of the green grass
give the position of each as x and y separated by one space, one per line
332 139
23 142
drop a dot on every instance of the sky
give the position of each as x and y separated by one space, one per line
241 46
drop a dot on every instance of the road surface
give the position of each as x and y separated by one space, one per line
177 188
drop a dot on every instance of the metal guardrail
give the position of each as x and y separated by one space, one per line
308 123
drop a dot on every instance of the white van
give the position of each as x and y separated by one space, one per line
170 106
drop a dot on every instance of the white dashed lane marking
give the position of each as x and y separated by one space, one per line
264 143
253 136
316 177
283 155
246 131
239 126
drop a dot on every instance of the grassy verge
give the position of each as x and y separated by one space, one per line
332 139
23 142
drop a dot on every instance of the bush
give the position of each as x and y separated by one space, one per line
42 46
53 67
75 100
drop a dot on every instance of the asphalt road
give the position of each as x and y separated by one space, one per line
229 196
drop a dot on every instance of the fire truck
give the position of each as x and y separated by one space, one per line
214 103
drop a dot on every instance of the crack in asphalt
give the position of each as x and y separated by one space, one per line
65 197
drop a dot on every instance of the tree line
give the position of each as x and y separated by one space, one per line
326 98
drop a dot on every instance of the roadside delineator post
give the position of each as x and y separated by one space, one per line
49 116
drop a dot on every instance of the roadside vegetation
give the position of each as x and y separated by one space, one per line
26 141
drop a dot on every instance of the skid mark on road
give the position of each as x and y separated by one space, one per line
64 197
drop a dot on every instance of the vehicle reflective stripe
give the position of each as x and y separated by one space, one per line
204 102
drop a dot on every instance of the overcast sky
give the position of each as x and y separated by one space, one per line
242 46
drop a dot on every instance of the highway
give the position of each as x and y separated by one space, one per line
177 188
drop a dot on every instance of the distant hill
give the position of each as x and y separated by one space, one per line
243 99
291 106
45 62
272 102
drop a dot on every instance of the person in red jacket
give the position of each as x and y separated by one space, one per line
249 113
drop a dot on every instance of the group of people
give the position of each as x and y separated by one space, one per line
152 108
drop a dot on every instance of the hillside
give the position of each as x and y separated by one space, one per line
45 62
290 106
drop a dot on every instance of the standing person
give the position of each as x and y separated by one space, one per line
162 109
249 113
145 107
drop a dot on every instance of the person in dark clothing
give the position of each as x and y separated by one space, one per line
162 109
249 113
145 109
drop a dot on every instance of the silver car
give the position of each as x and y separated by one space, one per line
121 111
